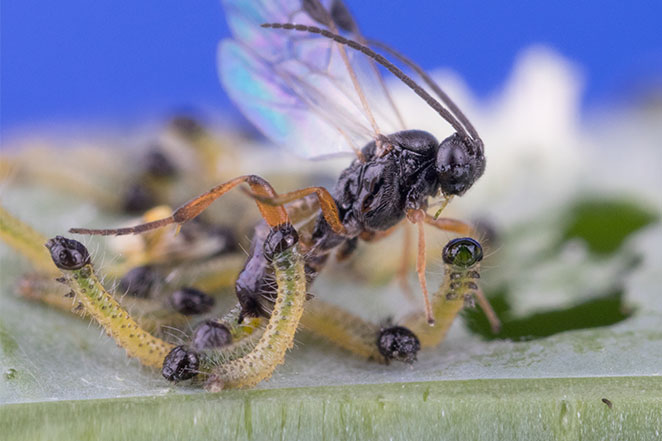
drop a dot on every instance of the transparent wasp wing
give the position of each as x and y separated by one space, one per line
296 87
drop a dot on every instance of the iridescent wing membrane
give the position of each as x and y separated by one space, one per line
296 87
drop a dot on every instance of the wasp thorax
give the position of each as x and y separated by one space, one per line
280 238
460 162
68 254
462 252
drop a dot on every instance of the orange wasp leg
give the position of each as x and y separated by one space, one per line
417 217
452 225
465 229
326 201
404 263
420 217
406 251
273 215
490 314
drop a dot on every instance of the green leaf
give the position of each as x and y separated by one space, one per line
605 223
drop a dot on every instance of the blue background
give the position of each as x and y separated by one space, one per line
123 61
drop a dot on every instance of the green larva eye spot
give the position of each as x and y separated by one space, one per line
462 252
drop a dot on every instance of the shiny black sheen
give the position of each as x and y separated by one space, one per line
396 174
68 254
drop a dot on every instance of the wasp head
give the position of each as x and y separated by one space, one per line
460 162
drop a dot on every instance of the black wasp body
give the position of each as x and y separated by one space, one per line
393 176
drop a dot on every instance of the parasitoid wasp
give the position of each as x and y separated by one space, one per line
303 74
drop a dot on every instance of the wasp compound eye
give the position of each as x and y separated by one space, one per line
210 335
280 238
398 343
190 301
68 254
462 252
180 364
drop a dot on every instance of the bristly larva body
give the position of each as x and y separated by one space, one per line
73 259
461 258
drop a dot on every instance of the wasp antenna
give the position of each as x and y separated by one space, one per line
431 83
138 229
381 60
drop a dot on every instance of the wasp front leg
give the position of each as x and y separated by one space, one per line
460 288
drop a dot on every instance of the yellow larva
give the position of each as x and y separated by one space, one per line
461 264
278 337
74 261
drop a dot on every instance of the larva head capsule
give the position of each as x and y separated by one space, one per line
209 335
280 238
139 281
157 164
462 252
180 364
68 254
398 343
190 301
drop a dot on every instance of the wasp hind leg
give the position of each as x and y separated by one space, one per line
273 215
326 202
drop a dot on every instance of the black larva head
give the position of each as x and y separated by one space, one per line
463 252
398 343
280 238
460 162
180 364
68 254
139 281
156 163
209 335
190 301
